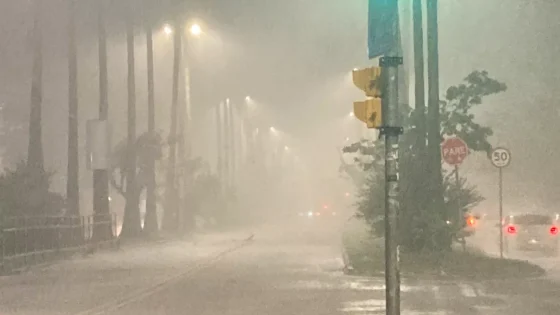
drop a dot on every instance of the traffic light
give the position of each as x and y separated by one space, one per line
369 81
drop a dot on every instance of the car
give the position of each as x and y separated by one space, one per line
531 232
322 212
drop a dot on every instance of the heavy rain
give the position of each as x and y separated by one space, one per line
279 157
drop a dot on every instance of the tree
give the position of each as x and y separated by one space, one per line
148 147
131 222
420 227
25 191
35 157
72 182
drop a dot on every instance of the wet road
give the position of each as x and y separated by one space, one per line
285 270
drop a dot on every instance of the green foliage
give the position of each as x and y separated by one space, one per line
456 110
148 146
25 191
420 227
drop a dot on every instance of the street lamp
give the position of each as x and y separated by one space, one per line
167 29
196 30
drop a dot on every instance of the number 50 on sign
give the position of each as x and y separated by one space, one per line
500 157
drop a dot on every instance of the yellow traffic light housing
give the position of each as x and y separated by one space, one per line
368 80
369 111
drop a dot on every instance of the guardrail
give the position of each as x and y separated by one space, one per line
31 240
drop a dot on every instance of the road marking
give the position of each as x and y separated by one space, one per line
145 292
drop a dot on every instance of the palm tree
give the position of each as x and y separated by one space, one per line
131 222
151 220
35 158
72 183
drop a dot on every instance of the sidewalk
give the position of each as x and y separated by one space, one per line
81 283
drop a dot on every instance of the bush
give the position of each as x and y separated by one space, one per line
366 256
25 191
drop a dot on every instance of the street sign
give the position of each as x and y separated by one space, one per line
454 150
500 157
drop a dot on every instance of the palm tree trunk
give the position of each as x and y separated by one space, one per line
151 220
131 222
72 183
35 159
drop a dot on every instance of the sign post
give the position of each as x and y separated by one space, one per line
501 158
453 152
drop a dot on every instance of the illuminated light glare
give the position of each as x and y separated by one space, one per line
196 29
309 214
247 98
167 29
318 214
286 148
511 229
351 114
347 194
553 230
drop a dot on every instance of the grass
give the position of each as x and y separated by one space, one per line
366 257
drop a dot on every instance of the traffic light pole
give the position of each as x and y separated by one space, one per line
391 130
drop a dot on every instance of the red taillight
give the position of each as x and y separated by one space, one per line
554 230
511 229
471 221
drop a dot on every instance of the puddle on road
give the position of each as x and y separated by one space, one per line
376 307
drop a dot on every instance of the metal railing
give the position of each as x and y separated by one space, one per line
31 240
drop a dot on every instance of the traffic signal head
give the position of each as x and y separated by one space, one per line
369 111
368 80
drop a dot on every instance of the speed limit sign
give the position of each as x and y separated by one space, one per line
500 157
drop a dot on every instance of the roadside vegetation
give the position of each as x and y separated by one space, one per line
429 225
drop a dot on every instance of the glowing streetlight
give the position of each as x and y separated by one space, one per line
247 98
196 30
286 148
272 129
351 114
167 29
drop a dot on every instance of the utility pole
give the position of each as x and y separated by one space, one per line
420 99
220 144
150 220
227 142
101 230
35 158
170 213
73 171
392 130
434 135
131 221
232 144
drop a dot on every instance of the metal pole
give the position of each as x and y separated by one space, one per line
500 185
457 182
170 214
227 139
232 134
220 145
391 130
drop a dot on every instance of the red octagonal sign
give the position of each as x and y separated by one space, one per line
454 150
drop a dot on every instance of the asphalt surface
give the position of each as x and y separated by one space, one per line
285 269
